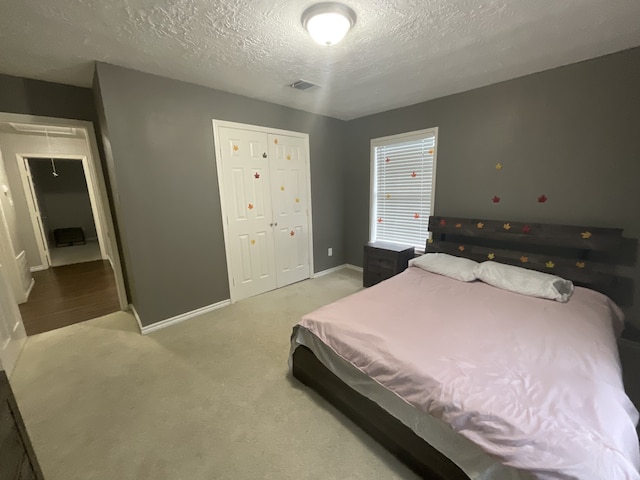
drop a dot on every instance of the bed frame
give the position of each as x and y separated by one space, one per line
562 250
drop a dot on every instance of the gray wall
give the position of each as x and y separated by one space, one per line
572 133
35 97
161 158
64 200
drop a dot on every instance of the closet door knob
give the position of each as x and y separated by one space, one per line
276 224
271 224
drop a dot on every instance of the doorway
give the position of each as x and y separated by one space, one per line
66 216
64 231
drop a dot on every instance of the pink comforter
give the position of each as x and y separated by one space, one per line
535 383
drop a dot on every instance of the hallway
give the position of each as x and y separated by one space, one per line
69 294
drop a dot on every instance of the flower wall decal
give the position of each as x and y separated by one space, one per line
542 198
461 248
550 264
495 199
253 242
586 235
387 160
250 206
414 174
458 225
379 219
480 225
526 229
256 175
235 148
524 259
443 222
416 215
507 226
580 264
430 240
491 256
292 233
498 166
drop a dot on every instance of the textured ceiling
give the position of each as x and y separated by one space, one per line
400 52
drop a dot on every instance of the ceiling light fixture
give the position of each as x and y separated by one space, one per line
328 22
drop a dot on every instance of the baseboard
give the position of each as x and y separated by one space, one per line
37 268
336 269
178 318
137 317
28 292
353 267
329 270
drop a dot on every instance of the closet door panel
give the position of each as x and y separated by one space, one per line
290 207
247 194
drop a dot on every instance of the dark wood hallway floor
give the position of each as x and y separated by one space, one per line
70 294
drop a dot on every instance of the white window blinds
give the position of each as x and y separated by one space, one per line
403 184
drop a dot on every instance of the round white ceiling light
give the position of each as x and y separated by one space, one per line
328 22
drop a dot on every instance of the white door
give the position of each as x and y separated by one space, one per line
247 198
264 188
44 251
287 163
12 334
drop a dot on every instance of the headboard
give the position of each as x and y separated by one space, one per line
562 250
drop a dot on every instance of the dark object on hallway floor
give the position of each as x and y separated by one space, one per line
70 294
65 237
17 458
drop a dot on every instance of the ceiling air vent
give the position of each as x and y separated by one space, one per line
303 85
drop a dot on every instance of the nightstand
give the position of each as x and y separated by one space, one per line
384 260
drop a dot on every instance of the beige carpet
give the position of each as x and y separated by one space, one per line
210 398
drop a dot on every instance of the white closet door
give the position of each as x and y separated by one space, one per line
287 163
247 193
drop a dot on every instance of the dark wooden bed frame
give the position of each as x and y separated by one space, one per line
562 250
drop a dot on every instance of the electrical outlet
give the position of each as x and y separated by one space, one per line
330 252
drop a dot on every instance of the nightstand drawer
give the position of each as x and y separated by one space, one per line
381 262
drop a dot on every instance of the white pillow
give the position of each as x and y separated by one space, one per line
455 267
526 282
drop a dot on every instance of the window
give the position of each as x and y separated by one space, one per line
403 175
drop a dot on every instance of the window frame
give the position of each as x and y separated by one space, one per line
390 139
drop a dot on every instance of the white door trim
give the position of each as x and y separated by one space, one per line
99 186
256 128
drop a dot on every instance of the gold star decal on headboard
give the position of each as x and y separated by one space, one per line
550 264
507 226
586 235
480 225
491 256
580 264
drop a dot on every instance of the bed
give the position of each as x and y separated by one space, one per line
463 380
